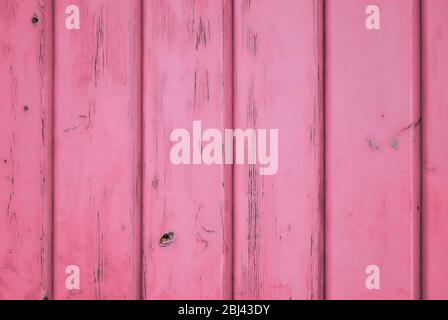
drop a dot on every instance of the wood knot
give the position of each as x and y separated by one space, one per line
166 239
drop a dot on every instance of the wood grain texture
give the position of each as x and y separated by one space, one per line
86 177
187 77
373 150
25 149
278 85
435 149
97 149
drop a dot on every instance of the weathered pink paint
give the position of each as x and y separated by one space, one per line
372 150
25 148
187 208
435 149
97 150
278 85
136 70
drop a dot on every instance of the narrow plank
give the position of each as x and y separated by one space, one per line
25 149
278 85
187 208
435 149
97 150
373 150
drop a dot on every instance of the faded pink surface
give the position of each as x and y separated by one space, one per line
25 149
187 77
372 150
435 149
97 154
86 178
278 218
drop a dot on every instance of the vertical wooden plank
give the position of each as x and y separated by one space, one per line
435 149
187 208
373 149
25 149
278 83
97 155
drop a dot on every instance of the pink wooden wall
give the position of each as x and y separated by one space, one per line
356 210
